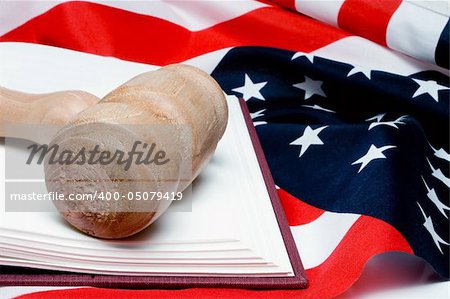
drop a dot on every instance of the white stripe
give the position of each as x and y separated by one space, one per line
27 57
25 60
439 6
323 10
208 61
16 13
362 52
415 31
316 241
193 15
27 64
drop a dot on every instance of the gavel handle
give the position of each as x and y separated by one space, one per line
57 108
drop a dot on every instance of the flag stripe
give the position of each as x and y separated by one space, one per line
358 51
345 264
298 212
16 13
290 4
408 34
32 57
325 11
171 43
315 241
367 18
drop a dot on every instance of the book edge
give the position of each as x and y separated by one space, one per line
298 281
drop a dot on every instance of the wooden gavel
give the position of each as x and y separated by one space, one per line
153 107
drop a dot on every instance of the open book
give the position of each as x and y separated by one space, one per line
235 233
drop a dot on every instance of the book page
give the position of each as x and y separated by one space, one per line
231 223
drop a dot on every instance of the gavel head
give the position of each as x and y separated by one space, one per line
152 135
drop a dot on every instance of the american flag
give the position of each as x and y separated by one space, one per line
350 99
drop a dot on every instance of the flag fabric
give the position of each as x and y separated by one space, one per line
350 100
417 28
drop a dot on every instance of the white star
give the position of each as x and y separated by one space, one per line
310 57
441 153
317 107
309 137
258 114
394 123
372 154
311 87
437 173
377 117
431 87
434 198
257 123
430 228
250 89
360 69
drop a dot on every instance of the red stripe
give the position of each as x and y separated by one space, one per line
368 18
366 238
108 31
283 3
297 211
